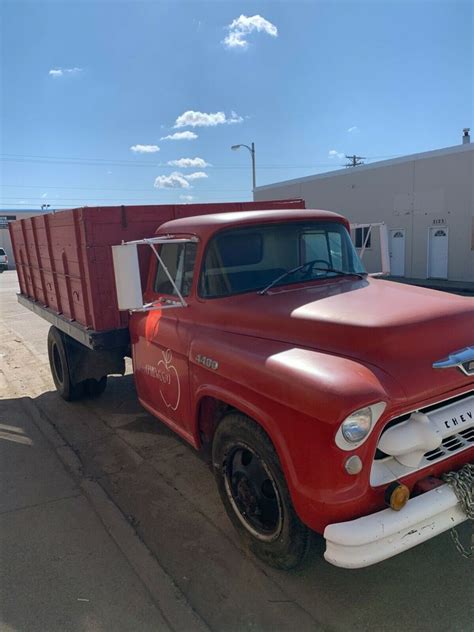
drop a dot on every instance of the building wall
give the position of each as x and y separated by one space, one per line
5 241
435 189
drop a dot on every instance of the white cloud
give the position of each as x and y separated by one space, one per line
175 180
197 175
186 198
204 119
60 72
243 26
144 149
336 154
178 180
352 129
180 136
186 163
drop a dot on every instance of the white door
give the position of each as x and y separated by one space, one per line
397 252
438 253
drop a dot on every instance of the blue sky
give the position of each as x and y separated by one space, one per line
305 81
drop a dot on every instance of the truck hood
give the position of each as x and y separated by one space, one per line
401 329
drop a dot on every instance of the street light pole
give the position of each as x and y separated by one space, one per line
251 149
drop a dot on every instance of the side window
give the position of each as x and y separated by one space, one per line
361 236
179 259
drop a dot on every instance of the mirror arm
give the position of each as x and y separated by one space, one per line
183 302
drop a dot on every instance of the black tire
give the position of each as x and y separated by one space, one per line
95 388
57 353
255 494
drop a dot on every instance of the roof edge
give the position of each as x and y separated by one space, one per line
433 153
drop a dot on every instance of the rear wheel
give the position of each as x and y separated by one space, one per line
255 494
57 353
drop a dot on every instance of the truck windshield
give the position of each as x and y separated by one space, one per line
251 258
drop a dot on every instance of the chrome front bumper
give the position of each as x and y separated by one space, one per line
377 537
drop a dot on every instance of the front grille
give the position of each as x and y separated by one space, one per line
386 468
453 443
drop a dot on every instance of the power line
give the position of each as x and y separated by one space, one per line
81 199
129 163
122 163
148 190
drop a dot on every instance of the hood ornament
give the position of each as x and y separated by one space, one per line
462 359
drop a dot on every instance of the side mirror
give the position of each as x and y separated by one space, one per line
127 277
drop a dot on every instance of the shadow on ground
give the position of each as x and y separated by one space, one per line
167 492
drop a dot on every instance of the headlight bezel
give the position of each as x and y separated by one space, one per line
375 412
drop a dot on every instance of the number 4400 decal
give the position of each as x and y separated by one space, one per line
209 363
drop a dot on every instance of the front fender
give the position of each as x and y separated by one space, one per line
299 396
310 382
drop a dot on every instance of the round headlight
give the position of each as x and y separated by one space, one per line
357 426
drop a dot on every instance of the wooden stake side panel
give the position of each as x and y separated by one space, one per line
64 259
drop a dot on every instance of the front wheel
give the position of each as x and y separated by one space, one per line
255 494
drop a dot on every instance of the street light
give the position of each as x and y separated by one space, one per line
45 207
252 153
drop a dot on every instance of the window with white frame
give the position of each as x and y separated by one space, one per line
360 235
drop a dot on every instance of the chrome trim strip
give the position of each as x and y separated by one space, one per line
462 359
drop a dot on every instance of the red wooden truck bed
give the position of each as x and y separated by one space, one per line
64 262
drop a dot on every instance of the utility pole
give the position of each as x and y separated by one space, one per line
355 161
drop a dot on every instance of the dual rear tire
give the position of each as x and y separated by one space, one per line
60 370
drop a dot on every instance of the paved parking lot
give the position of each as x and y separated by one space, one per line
167 492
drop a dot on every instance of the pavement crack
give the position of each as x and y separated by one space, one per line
42 504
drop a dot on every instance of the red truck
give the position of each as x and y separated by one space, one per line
330 401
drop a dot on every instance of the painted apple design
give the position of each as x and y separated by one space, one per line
170 389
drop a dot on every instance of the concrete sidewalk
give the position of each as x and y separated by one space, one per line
60 569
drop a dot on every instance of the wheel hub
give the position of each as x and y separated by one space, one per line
253 493
246 495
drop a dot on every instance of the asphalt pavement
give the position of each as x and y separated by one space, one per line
110 522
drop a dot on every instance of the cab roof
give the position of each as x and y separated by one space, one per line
205 225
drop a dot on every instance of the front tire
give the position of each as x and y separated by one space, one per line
255 494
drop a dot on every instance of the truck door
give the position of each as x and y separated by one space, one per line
160 353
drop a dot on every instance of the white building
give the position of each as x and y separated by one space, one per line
7 216
426 200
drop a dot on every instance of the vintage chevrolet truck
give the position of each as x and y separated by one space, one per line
329 401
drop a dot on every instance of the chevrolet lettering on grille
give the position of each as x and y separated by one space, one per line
459 420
